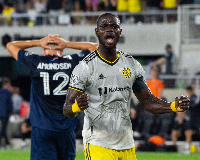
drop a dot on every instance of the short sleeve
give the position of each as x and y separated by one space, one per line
139 71
80 76
27 58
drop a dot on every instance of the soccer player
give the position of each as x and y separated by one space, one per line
102 85
53 134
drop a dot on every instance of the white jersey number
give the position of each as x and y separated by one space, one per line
59 89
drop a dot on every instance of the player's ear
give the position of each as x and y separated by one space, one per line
44 50
96 32
120 32
61 52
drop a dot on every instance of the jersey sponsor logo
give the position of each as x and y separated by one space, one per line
126 72
101 76
54 66
107 90
28 53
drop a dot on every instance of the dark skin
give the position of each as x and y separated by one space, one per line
108 32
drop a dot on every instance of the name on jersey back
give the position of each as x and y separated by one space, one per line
54 66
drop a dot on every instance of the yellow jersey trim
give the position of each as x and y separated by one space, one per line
75 89
107 60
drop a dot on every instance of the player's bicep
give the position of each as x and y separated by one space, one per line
13 50
139 85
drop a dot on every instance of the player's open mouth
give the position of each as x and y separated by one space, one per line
110 39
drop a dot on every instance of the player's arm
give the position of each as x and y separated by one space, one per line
62 44
155 105
14 47
75 102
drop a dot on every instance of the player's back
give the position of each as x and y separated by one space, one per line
49 83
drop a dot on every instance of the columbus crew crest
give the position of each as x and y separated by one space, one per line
126 72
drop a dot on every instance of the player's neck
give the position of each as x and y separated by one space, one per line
108 54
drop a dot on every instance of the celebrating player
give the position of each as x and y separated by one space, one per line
53 135
102 85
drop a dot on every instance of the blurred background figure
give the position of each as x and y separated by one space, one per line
181 131
54 9
155 84
194 112
5 109
136 119
151 121
168 59
156 124
16 97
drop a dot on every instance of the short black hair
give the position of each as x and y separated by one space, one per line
168 46
52 44
189 88
106 14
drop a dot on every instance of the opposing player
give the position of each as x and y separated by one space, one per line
102 85
53 135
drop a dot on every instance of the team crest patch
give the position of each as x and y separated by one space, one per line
74 80
126 72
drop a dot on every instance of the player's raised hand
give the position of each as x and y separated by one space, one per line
48 39
182 103
62 44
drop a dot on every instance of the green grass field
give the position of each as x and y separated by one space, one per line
25 154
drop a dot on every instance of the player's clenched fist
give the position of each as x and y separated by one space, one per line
182 103
80 104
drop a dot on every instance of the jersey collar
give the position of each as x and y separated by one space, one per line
106 61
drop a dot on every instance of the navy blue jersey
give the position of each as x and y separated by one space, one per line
49 82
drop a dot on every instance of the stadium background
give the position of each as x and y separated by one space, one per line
146 41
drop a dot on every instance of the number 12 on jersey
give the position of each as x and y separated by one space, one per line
59 89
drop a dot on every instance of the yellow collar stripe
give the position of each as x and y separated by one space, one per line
107 60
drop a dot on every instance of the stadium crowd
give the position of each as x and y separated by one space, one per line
33 9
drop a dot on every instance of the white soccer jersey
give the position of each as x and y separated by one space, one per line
109 88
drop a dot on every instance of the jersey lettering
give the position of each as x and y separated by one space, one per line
59 89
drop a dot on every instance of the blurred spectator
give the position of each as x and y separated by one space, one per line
181 130
26 129
156 87
110 5
31 12
155 84
136 119
129 5
5 109
168 58
91 5
16 19
7 12
194 110
170 5
78 7
16 99
55 8
41 7
133 6
156 124
153 6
